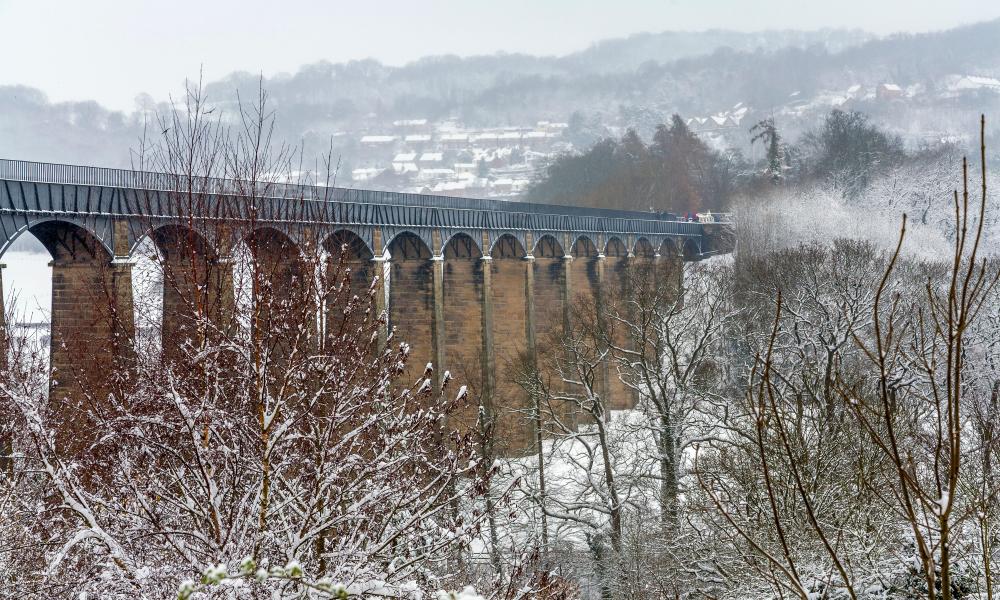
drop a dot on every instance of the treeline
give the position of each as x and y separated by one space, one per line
32 128
633 82
722 71
678 172
675 172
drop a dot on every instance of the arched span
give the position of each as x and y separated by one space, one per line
584 247
615 248
691 250
507 246
58 233
69 242
669 249
643 248
269 242
390 235
461 246
177 242
345 240
408 246
548 247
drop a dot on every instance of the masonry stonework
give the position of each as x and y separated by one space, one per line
91 335
509 342
411 302
463 323
482 311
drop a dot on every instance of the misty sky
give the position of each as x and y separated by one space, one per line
112 50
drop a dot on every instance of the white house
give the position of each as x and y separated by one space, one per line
888 91
378 140
974 82
366 174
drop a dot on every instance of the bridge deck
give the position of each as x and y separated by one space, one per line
45 190
20 170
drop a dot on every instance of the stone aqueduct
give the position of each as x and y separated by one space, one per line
469 281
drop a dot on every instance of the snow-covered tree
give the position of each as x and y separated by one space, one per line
255 436
767 133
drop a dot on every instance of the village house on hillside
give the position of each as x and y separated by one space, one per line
888 91
418 155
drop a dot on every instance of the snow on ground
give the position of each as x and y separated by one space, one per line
27 282
574 474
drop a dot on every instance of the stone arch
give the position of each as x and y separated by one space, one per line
408 246
507 246
644 248
548 246
277 257
615 265
549 281
669 248
691 250
95 232
271 242
174 278
91 330
392 236
642 264
31 297
175 235
461 246
509 274
411 300
177 242
282 292
356 248
347 255
349 260
195 286
69 242
584 247
615 248
462 294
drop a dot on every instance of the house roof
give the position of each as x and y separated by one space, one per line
377 139
975 81
405 167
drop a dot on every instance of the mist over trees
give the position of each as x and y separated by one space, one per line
849 148
32 128
677 172
816 416
636 83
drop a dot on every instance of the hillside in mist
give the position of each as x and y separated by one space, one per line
632 82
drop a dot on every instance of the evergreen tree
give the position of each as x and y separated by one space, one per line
685 166
766 133
677 172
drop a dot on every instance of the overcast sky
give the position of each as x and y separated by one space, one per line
112 50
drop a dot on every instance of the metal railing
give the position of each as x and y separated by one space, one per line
29 171
22 170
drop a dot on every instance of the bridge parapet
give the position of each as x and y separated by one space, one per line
92 196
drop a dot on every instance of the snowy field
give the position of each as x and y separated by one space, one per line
27 281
